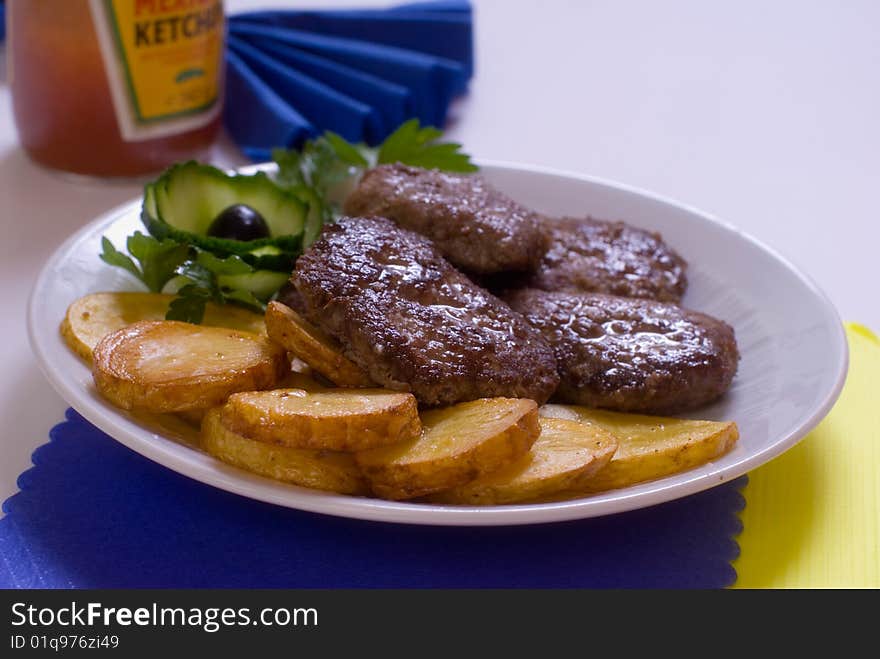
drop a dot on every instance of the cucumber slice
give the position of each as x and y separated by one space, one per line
270 257
185 199
262 283
316 216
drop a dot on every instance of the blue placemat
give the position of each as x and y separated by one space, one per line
94 514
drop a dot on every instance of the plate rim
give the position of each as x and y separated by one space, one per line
239 482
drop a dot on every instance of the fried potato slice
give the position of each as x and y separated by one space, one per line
457 445
170 366
332 419
94 316
292 380
320 351
322 470
566 453
649 447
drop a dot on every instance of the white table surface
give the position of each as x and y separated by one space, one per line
762 114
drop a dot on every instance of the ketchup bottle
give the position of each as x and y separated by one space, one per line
115 88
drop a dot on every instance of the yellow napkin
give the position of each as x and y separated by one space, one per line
812 515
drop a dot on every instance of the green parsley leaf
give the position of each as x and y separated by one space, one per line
199 277
156 259
112 256
320 164
357 155
290 172
189 305
414 145
203 276
231 265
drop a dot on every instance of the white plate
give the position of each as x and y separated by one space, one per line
794 352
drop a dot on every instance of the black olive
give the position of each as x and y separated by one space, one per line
239 222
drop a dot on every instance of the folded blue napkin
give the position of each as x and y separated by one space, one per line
359 73
438 28
93 514
278 122
317 101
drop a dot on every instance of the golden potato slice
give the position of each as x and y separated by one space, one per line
92 317
314 347
649 447
322 470
457 445
566 453
170 366
332 419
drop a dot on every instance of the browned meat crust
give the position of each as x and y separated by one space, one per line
476 227
630 354
413 322
590 255
289 296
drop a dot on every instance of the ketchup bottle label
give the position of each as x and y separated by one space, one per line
164 63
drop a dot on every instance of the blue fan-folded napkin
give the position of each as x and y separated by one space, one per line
360 73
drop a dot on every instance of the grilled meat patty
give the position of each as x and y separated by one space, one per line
289 296
631 355
590 255
414 322
476 227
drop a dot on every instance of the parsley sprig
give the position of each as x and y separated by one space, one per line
197 275
418 146
156 259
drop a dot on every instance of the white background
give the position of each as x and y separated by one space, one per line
765 114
